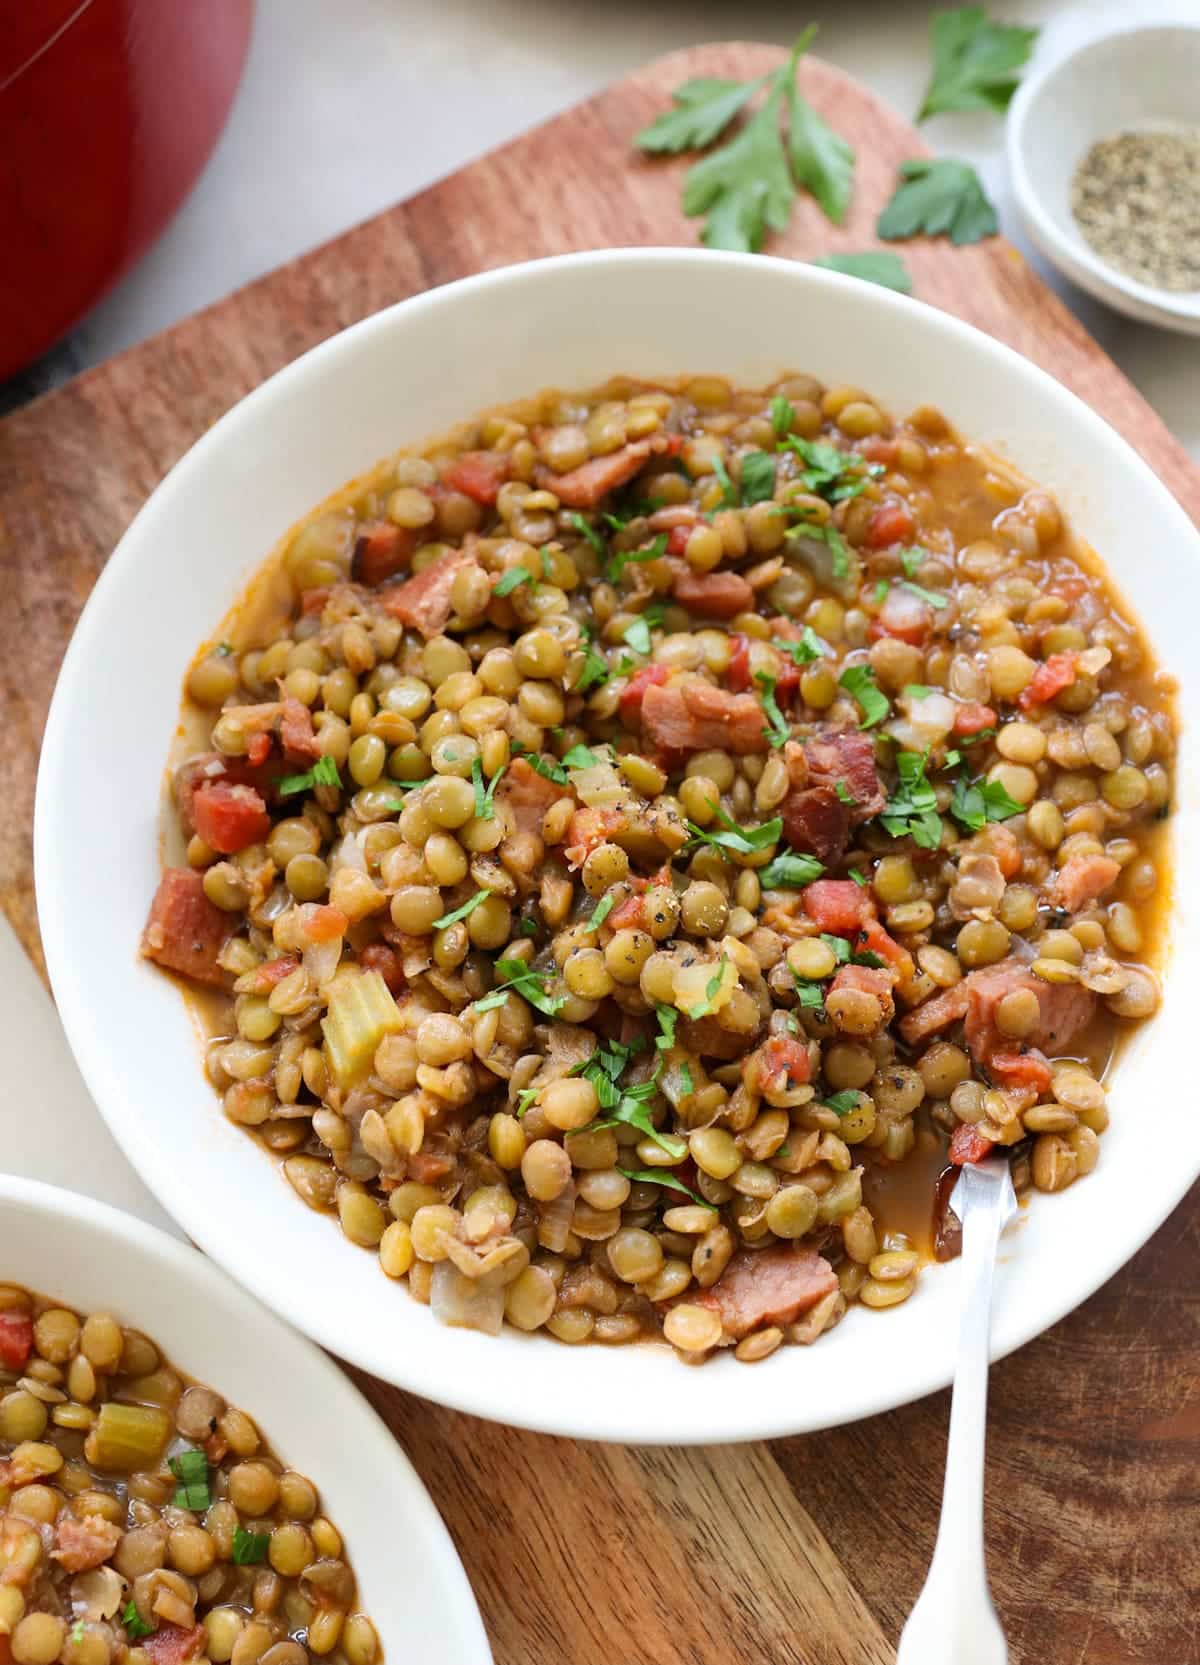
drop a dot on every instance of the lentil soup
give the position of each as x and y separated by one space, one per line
632 848
144 1521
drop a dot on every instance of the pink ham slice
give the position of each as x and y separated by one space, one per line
690 715
583 487
527 794
713 595
771 1287
300 743
84 1543
816 822
847 755
185 931
423 601
1081 879
1065 1010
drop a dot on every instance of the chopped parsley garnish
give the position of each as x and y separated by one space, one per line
829 535
545 766
882 586
324 772
839 945
806 650
77 1631
830 472
620 559
529 927
461 913
685 1077
711 990
595 670
758 477
790 870
930 597
485 794
911 560
525 1098
912 812
782 414
729 496
974 739
522 979
579 757
811 996
508 581
668 1017
638 636
778 730
842 1103
938 194
742 841
859 683
976 62
547 562
586 530
916 691
859 878
135 1626
190 1468
628 1105
600 913
844 793
975 803
249 1548
655 1176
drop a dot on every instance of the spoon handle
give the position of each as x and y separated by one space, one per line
954 1619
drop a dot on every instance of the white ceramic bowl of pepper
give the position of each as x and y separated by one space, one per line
1104 156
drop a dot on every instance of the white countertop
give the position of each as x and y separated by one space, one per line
348 107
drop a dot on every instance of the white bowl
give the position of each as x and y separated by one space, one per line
1140 79
409 373
93 1258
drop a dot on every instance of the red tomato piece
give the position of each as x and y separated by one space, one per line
1020 1069
325 923
478 474
837 905
16 1339
968 1145
785 1059
313 601
874 940
739 663
875 448
677 539
229 818
258 750
1049 680
381 550
973 718
629 915
635 691
891 523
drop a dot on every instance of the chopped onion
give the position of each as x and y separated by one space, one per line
457 1300
97 1593
321 960
599 785
349 853
554 1221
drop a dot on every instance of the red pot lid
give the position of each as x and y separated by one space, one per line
28 26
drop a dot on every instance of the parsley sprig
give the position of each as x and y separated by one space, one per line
324 772
743 841
809 648
912 811
859 683
790 870
522 979
976 62
977 802
778 730
485 794
656 1176
938 195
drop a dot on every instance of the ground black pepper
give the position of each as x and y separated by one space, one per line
1136 199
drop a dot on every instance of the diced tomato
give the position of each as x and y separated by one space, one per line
325 923
478 474
6 1657
837 905
875 448
891 523
229 818
313 601
739 663
968 1145
674 445
874 940
629 915
1020 1069
635 691
381 550
677 539
1049 680
1070 589
258 749
785 1060
274 971
972 718
16 1339
171 1645
787 682
377 956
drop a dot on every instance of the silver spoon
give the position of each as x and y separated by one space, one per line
954 1621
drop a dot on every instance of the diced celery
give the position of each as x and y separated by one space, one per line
361 1013
127 1438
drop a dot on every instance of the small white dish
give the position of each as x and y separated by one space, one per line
1142 79
396 379
411 1582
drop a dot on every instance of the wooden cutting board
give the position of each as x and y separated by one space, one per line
806 1551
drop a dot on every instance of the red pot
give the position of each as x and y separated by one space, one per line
108 111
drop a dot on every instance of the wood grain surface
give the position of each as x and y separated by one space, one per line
807 1551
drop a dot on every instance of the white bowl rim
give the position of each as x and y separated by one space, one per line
1074 257
363 1431
486 1395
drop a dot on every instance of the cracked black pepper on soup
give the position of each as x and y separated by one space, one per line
1136 199
635 846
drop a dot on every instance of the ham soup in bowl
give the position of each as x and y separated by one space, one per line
630 846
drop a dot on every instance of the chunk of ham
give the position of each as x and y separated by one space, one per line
714 595
229 818
837 905
815 818
527 795
816 822
583 487
478 475
1065 1009
300 743
185 931
16 1340
171 1644
423 601
381 550
771 1287
847 755
690 715
84 1542
1081 879
868 979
